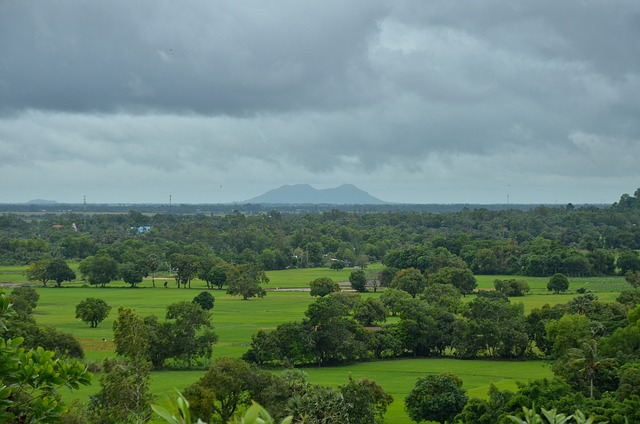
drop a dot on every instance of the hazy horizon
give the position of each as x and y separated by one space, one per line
440 102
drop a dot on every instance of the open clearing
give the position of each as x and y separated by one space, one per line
235 320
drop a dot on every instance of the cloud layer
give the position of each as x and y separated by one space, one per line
419 102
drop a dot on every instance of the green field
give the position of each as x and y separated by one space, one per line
235 320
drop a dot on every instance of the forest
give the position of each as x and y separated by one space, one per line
412 293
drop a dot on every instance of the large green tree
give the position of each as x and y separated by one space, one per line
192 333
358 280
369 311
30 379
558 283
410 280
225 387
92 311
246 281
185 266
460 278
323 286
132 273
436 398
45 270
99 269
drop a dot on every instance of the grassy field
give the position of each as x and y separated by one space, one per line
235 320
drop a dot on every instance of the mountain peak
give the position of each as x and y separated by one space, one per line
346 194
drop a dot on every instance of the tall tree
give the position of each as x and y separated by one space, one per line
246 281
99 270
185 267
31 379
190 319
224 388
132 273
124 394
59 271
460 278
358 280
45 270
369 311
436 398
558 283
92 311
323 286
409 280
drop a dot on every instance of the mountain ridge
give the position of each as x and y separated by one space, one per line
345 194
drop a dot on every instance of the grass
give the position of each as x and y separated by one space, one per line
397 377
236 320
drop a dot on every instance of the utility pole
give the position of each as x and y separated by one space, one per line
84 208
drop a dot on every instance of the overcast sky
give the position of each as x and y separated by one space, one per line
208 101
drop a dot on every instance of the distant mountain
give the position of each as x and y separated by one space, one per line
41 202
346 194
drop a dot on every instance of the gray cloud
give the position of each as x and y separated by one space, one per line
442 101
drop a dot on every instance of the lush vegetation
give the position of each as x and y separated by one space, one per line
558 285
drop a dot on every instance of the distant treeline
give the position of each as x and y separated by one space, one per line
248 208
577 241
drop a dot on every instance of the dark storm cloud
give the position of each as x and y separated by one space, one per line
198 56
439 98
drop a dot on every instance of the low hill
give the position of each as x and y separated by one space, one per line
346 194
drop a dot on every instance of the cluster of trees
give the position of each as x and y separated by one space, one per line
558 398
339 326
20 324
244 280
30 377
230 384
185 337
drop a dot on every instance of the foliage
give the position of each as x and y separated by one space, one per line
323 286
628 261
245 281
131 334
548 416
180 413
213 275
512 287
358 280
392 298
30 379
225 386
444 296
633 278
366 402
92 311
386 275
132 273
185 267
460 278
124 393
337 265
24 300
99 270
493 326
205 300
45 270
326 336
436 398
424 329
189 319
369 311
558 283
410 280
